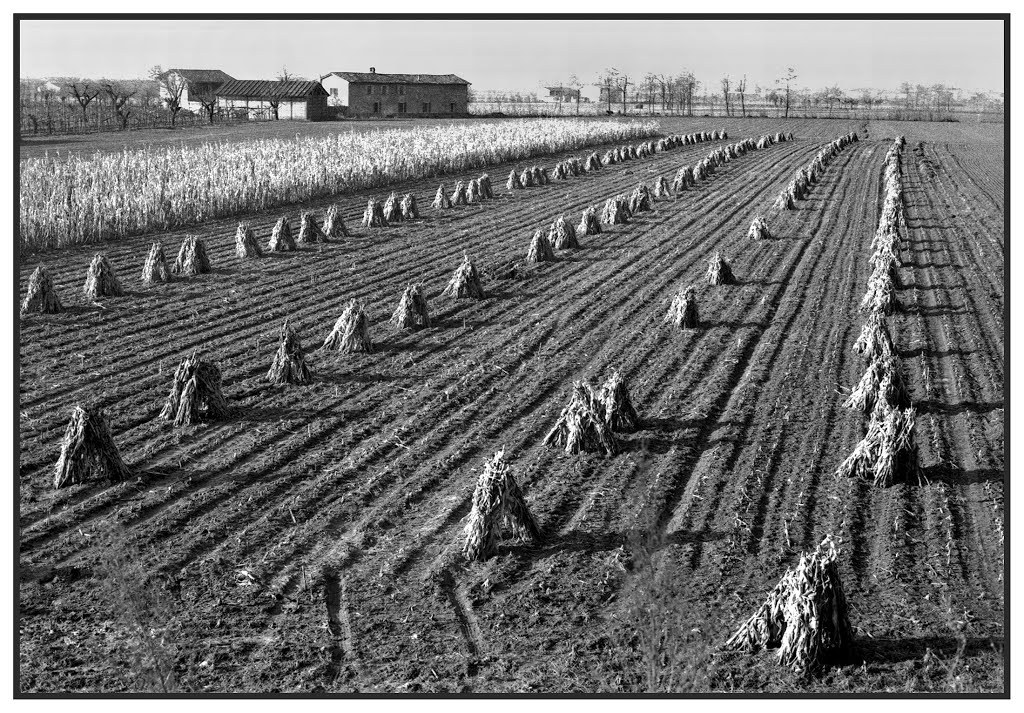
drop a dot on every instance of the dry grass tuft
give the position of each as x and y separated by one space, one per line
683 310
101 281
351 333
281 239
88 451
195 393
412 311
583 424
289 365
465 282
497 503
42 296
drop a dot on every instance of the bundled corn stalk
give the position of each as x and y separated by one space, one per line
497 503
409 209
684 179
785 201
526 178
610 158
459 196
888 453
101 281
473 191
881 387
441 199
412 311
514 182
719 272
562 235
351 333
805 615
759 229
640 199
616 211
245 243
540 176
289 365
42 297
334 225
789 136
700 171
885 264
881 296
373 216
195 393
583 424
619 413
192 258
392 209
589 224
155 267
88 451
465 282
874 341
661 189
281 239
540 249
486 190
683 310
309 230
560 173
593 162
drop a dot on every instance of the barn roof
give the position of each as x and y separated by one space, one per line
203 76
378 78
264 89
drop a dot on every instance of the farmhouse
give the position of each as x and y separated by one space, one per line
564 94
373 94
261 99
196 84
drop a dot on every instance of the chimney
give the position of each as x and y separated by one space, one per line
373 70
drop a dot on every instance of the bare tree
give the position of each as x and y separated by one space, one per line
173 85
830 95
84 92
576 85
787 80
725 92
119 94
607 81
624 81
741 89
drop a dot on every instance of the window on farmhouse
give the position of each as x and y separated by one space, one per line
426 108
401 89
376 107
384 89
452 110
401 107
334 91
369 89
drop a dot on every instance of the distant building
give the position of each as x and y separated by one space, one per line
256 99
373 94
564 94
198 83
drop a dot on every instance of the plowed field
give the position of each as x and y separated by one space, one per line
312 541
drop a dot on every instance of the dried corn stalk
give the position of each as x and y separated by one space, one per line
615 212
373 216
281 239
583 425
409 209
42 296
465 282
334 225
473 191
719 272
563 235
412 311
351 333
441 199
759 229
497 503
882 386
513 182
289 365
589 224
540 249
888 453
874 340
88 451
486 189
618 408
683 310
661 189
309 230
101 281
155 268
392 210
459 196
245 242
640 199
195 393
192 258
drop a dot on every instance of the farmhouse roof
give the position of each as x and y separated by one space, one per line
201 76
378 78
261 88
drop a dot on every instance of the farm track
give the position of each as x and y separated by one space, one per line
344 500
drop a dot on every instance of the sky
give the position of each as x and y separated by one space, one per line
528 54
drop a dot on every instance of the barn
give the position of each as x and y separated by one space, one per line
262 99
196 85
376 94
